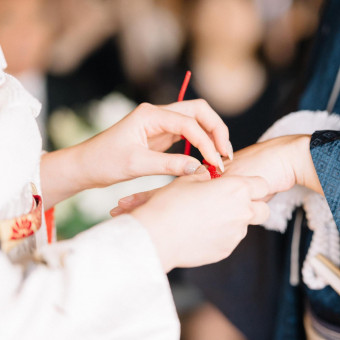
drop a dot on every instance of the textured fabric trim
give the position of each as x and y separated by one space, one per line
319 216
325 151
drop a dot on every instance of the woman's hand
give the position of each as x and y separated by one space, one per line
134 147
195 221
282 162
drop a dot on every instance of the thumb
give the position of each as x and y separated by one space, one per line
202 173
171 164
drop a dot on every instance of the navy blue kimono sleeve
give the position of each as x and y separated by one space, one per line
325 151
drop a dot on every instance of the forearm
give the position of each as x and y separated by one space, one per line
61 175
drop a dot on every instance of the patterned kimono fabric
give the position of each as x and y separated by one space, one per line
321 93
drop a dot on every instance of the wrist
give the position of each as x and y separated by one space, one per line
61 176
162 247
296 154
300 151
303 164
99 162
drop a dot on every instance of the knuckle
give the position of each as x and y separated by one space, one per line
265 211
191 124
144 107
243 188
131 161
244 232
202 101
249 215
169 165
173 165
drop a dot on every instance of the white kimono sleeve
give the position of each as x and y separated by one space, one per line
106 283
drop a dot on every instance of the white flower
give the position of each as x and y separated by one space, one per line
110 110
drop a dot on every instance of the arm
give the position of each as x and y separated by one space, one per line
105 283
110 279
285 166
134 147
325 153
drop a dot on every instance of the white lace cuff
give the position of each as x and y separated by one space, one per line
319 217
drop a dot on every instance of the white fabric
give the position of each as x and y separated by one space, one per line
20 146
3 66
319 217
106 283
35 83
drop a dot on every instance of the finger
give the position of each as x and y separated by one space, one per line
180 124
168 164
267 198
260 211
257 186
209 120
201 174
135 200
117 211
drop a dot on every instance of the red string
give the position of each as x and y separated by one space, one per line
184 86
180 98
212 170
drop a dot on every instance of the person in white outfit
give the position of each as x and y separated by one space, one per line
109 282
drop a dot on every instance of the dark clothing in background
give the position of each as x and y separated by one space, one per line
251 287
98 75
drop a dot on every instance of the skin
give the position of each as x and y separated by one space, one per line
134 147
283 162
206 221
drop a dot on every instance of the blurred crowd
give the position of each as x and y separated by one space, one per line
91 61
230 45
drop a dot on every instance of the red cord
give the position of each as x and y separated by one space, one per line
212 170
184 86
180 98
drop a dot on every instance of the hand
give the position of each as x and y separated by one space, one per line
127 204
282 162
195 221
134 147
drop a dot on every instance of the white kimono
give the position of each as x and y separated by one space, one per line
106 283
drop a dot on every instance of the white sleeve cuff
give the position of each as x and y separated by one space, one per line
325 239
284 203
106 283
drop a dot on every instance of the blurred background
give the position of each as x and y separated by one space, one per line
90 62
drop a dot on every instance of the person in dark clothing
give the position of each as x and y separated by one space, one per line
252 288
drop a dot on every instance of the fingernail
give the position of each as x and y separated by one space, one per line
127 200
116 211
230 151
201 170
220 163
190 168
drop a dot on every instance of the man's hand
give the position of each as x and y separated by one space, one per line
282 162
195 221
